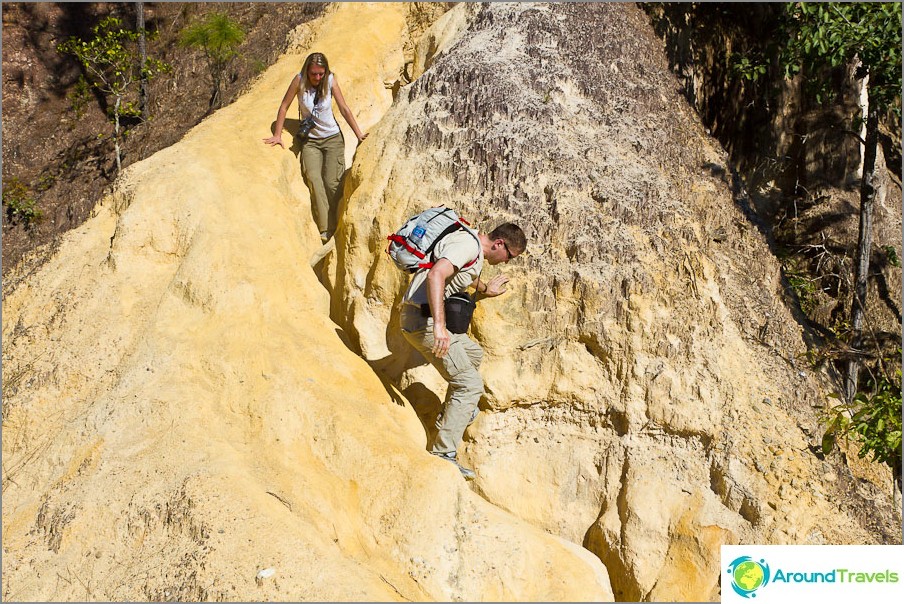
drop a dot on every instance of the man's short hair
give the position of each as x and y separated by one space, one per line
512 235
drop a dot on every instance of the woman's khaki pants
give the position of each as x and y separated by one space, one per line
322 165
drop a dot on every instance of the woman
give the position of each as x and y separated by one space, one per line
323 154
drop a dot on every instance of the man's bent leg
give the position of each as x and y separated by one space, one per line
475 355
466 388
465 384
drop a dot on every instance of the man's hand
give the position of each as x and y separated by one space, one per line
496 286
441 340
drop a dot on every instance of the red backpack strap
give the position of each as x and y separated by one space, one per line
404 243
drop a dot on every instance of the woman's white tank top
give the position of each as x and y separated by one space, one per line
324 121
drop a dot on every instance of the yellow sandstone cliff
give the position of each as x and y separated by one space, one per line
188 415
193 411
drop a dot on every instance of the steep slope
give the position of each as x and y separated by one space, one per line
180 413
649 393
71 163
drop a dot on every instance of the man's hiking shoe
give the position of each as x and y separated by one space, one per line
466 472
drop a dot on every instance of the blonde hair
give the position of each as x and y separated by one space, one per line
319 59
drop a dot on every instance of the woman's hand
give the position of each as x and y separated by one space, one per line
290 95
361 137
276 139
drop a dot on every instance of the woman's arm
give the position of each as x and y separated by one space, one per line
345 111
291 93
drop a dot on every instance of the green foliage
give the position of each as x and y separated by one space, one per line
747 67
20 205
891 255
111 57
79 97
45 181
218 37
111 60
801 283
872 419
127 109
835 34
258 66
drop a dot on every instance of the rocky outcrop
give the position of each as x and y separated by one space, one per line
182 420
648 393
187 414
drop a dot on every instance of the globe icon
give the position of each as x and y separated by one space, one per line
748 575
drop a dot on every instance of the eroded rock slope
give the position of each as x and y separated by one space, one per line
184 406
649 394
182 414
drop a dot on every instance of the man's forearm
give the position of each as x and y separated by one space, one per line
436 289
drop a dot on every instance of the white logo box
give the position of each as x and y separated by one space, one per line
774 574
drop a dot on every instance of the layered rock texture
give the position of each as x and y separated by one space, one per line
649 395
192 411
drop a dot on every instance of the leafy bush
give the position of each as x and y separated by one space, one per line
833 33
111 59
891 255
872 419
749 68
219 37
20 205
803 286
79 97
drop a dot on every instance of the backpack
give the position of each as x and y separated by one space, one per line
410 247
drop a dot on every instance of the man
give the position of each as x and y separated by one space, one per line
458 260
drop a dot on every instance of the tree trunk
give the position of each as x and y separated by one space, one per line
863 101
116 134
143 57
864 245
216 75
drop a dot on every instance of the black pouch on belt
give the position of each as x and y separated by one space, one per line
459 310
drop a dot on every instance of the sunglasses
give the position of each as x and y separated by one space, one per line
511 256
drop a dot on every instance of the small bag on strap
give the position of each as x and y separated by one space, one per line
459 311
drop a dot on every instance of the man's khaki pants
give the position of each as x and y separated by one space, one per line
460 367
322 165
